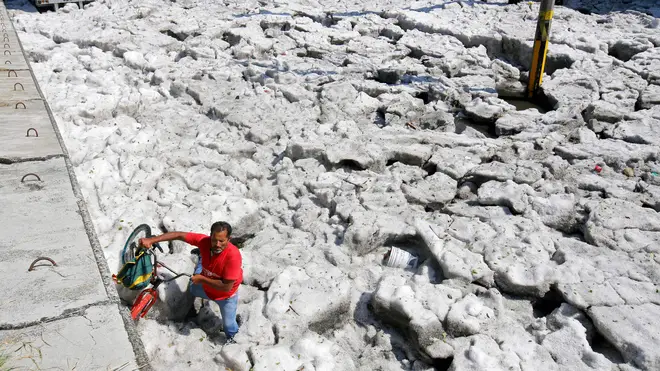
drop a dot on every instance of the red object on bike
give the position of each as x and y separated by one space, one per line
144 301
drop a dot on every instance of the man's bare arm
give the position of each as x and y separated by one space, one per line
169 236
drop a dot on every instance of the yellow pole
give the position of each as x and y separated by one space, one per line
540 47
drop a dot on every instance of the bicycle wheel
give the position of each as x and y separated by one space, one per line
143 303
128 254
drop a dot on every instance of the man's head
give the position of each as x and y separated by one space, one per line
220 233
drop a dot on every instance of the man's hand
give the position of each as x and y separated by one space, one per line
146 242
198 279
220 285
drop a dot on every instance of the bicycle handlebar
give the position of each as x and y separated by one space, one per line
161 264
175 277
157 245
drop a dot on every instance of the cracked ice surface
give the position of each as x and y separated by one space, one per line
327 132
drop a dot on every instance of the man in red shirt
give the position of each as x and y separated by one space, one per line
219 270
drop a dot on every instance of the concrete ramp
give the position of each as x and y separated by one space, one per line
42 219
26 132
59 307
86 341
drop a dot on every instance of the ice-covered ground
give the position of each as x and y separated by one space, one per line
329 131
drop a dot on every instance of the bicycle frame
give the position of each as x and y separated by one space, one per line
155 279
148 297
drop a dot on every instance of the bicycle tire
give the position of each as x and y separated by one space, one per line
128 253
143 303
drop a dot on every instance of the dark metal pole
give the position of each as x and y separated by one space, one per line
540 47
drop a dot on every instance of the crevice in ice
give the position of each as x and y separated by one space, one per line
276 333
259 287
600 344
391 162
174 35
647 205
379 118
639 103
240 241
430 168
462 124
231 38
212 113
312 53
350 165
545 305
403 158
250 356
442 364
424 96
540 102
429 209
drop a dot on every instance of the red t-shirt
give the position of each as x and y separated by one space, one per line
226 265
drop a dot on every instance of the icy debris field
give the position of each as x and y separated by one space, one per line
328 132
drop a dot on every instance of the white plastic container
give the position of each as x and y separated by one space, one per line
401 259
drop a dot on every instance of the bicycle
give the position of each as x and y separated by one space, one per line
138 271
